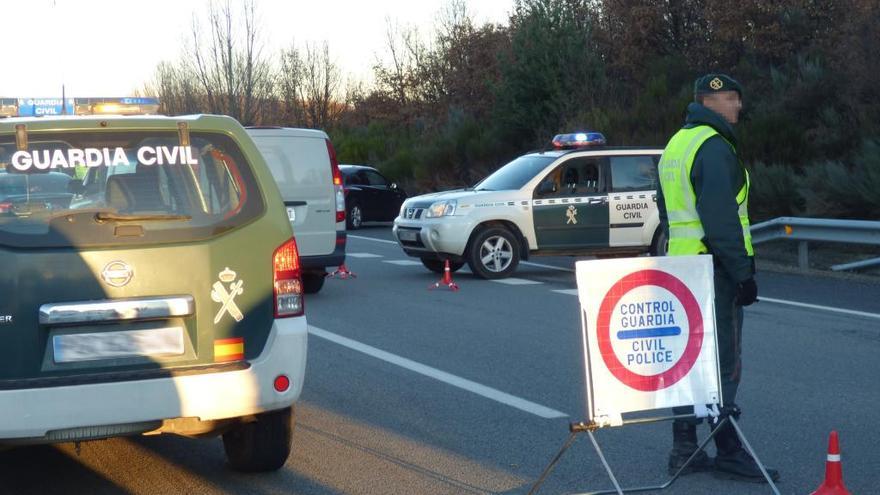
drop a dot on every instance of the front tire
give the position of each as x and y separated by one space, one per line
354 217
438 266
493 253
261 445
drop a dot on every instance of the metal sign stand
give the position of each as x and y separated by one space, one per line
620 278
727 414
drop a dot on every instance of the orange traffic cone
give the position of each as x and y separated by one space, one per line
342 272
446 280
833 484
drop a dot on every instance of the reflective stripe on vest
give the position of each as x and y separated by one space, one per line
685 229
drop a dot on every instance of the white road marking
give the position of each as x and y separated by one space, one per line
516 281
364 255
574 292
364 238
567 292
403 262
550 267
768 299
529 263
448 378
822 308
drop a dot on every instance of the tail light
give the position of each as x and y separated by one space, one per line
337 183
288 281
5 207
281 383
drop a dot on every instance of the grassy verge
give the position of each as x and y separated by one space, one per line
782 255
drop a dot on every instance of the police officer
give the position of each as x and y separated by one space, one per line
703 199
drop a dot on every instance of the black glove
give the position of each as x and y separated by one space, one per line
747 292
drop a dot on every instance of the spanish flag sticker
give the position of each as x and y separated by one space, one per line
228 349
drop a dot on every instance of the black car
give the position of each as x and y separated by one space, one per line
369 196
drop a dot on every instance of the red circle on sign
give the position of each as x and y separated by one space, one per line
648 383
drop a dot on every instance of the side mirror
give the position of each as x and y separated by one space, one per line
546 187
394 185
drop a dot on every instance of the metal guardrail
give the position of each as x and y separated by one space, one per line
805 230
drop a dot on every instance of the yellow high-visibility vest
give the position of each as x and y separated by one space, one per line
685 229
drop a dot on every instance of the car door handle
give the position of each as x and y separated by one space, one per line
295 203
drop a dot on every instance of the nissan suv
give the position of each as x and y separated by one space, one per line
150 284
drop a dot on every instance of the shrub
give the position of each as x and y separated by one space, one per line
838 190
775 192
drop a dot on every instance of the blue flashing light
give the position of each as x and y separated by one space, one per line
578 140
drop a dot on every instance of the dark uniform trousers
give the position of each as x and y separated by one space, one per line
728 330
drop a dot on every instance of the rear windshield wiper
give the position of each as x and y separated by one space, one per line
138 217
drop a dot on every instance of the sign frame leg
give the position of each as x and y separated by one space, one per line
590 427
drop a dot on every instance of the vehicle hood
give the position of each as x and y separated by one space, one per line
463 196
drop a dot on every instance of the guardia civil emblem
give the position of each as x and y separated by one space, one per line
225 295
716 84
571 215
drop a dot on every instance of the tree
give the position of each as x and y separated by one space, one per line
309 87
232 73
176 90
553 71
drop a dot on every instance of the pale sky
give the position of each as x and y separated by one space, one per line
110 48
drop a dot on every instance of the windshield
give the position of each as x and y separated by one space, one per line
77 188
515 174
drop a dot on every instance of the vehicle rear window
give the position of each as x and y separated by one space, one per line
105 188
515 174
296 162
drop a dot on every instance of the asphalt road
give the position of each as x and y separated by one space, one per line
410 390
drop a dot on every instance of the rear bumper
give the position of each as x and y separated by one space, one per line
32 415
334 259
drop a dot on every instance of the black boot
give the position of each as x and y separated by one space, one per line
684 443
734 462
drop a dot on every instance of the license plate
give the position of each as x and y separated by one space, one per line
291 213
109 345
407 235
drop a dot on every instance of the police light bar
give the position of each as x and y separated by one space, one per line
8 107
578 140
117 106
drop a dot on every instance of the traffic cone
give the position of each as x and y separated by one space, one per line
446 280
833 484
342 272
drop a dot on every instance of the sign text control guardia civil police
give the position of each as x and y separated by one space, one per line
580 198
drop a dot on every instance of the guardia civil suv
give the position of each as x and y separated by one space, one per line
578 198
157 290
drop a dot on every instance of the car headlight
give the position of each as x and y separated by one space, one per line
441 209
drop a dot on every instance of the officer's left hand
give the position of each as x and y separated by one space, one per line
747 292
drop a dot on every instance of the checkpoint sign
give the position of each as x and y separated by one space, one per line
649 333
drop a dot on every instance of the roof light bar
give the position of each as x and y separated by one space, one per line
117 106
578 140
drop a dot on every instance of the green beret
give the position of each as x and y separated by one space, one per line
713 83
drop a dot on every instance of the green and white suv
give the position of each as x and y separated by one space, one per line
575 200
